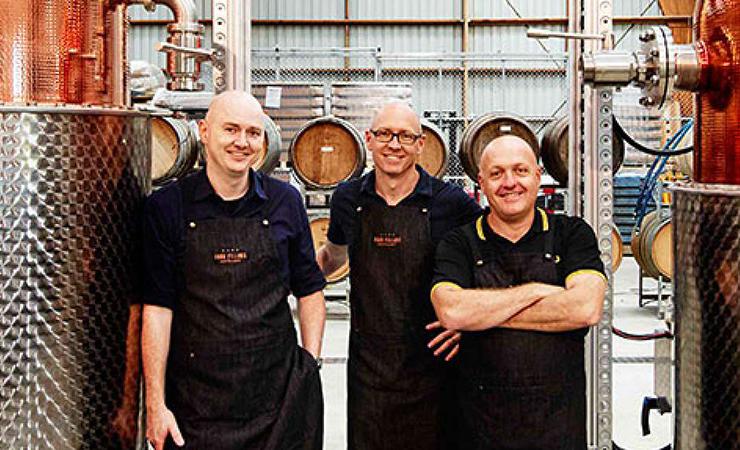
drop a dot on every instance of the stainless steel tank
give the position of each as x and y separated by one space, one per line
71 180
707 298
75 165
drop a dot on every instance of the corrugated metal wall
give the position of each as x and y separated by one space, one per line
417 41
391 38
535 88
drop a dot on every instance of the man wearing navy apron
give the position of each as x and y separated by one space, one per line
223 249
524 286
388 223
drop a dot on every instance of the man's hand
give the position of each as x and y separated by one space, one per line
159 424
448 338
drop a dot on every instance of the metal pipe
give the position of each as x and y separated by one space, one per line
185 11
465 77
183 67
575 112
546 34
119 66
346 35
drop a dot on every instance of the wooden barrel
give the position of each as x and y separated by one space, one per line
174 149
434 156
486 128
319 227
269 154
554 150
652 247
327 151
617 251
292 105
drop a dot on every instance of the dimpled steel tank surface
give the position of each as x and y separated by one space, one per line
707 245
71 181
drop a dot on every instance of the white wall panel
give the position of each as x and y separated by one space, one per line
297 36
525 8
636 7
405 39
528 94
513 39
298 9
142 41
394 9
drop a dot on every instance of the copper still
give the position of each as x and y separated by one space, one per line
705 213
717 44
74 51
75 165
709 66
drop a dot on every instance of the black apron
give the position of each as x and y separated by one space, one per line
521 389
236 378
394 380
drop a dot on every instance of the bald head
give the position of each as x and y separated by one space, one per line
507 144
510 178
397 112
230 101
233 134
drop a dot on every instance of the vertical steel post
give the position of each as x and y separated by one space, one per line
378 64
232 40
465 12
598 211
575 110
503 84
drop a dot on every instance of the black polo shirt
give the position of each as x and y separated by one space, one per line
449 205
575 247
164 222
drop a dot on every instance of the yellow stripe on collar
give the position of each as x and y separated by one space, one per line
545 223
479 228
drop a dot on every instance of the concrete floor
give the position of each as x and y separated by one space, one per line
632 380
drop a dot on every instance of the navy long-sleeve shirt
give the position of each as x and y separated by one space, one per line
163 232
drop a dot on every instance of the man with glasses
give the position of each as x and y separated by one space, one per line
388 223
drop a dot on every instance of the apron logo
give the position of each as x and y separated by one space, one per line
387 240
229 256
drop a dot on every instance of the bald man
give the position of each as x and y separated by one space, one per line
223 249
388 223
524 286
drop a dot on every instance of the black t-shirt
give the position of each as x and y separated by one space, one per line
574 243
449 206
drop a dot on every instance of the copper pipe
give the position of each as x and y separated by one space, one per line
185 11
465 77
119 62
183 67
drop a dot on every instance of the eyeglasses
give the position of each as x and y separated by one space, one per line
404 137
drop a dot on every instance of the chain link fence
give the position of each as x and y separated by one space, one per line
448 89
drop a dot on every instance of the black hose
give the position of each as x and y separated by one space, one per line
628 139
642 337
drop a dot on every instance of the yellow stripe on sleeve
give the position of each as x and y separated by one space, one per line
443 283
582 271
